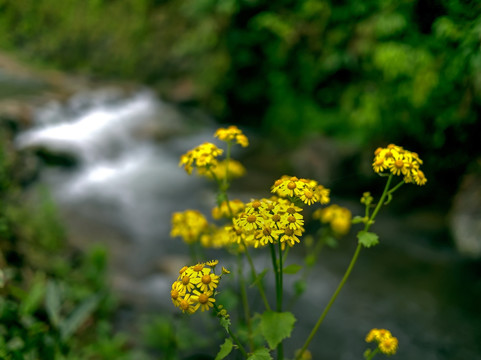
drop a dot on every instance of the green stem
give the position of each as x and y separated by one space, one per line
372 354
333 298
232 335
274 265
254 273
279 290
245 303
348 271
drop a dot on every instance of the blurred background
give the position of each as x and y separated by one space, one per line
99 98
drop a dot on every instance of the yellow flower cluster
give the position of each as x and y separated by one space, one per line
195 287
232 133
268 221
398 161
387 343
232 169
225 209
203 157
308 191
189 225
339 218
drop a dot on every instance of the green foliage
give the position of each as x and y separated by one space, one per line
260 354
225 349
367 239
276 326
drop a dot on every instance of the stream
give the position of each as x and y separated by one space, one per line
126 183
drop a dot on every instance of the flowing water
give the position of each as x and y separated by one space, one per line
127 184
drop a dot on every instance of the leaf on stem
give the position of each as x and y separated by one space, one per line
260 354
276 326
225 349
367 239
292 269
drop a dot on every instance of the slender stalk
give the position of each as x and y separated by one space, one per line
245 303
232 335
372 354
348 271
279 290
274 265
258 283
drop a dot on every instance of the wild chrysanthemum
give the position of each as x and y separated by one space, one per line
189 225
203 157
232 133
339 218
306 190
195 287
387 343
231 168
400 162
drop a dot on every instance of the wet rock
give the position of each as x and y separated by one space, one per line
465 216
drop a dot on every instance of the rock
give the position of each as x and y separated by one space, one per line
465 215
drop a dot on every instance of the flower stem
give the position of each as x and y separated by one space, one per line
280 347
333 298
348 271
258 283
245 303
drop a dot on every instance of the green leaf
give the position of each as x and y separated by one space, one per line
260 354
225 323
52 302
225 349
292 269
78 316
367 239
34 295
358 219
276 326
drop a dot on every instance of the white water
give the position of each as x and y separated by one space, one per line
125 179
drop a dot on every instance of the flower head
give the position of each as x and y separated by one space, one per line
395 160
387 343
203 157
189 225
232 133
306 190
195 287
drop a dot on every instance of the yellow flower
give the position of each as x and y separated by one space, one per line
339 218
204 299
187 304
249 222
399 162
177 292
189 225
232 133
236 206
208 282
225 271
388 345
307 190
232 168
202 157
212 263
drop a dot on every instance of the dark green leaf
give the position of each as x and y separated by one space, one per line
225 349
260 354
78 316
292 269
276 326
52 302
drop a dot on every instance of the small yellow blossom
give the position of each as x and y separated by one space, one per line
339 218
225 209
306 190
399 162
189 225
232 133
202 157
231 169
387 343
204 299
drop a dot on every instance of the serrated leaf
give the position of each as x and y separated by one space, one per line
292 269
358 219
367 239
52 302
78 316
276 326
225 349
225 323
260 354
